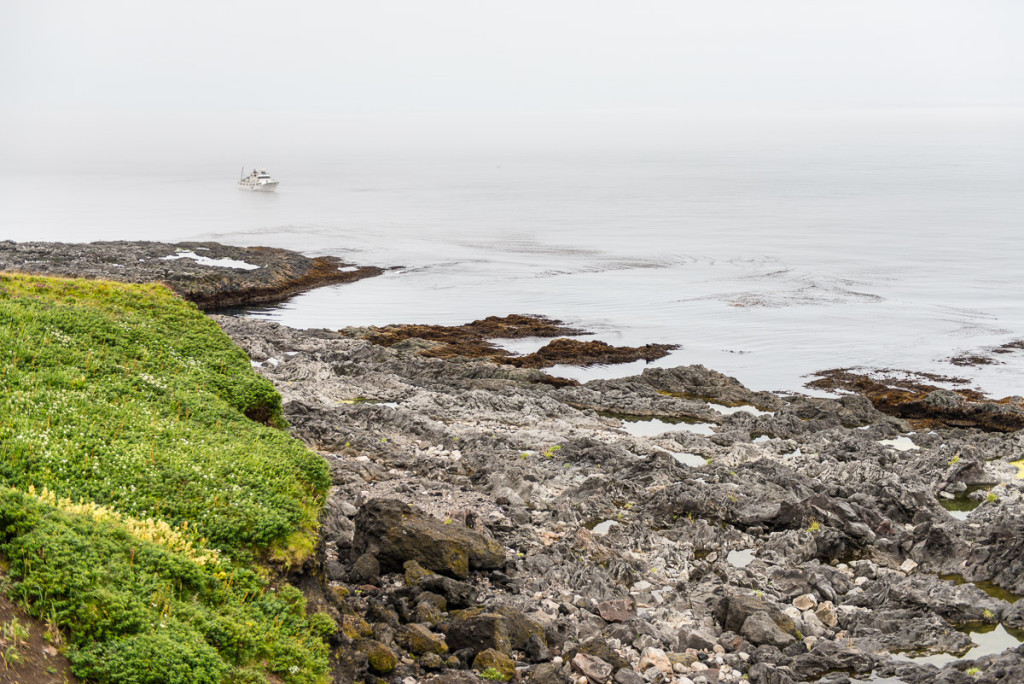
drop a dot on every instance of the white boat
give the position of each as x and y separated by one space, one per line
257 181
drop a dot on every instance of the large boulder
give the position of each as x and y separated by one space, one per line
518 626
759 629
380 659
417 639
733 611
495 665
478 632
395 532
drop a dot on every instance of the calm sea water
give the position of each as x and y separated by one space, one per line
767 252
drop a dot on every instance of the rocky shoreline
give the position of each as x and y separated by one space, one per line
488 520
212 275
668 527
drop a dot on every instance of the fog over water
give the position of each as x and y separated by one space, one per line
757 186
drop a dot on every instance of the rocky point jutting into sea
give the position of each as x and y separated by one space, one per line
674 526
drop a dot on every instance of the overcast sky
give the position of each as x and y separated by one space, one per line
478 55
134 62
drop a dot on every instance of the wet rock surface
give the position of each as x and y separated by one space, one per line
795 539
212 275
926 405
474 340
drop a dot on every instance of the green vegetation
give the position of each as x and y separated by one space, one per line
814 526
140 475
13 636
493 675
1020 468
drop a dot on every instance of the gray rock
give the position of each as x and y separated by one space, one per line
593 667
396 532
760 629
626 676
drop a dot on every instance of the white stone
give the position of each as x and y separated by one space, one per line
655 657
744 656
908 566
861 581
826 612
699 667
805 601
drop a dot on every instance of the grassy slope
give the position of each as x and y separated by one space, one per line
134 489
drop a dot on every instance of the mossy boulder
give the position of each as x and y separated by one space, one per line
417 639
431 661
395 532
380 659
355 627
414 573
494 665
517 626
478 631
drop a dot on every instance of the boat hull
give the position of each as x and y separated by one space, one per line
259 187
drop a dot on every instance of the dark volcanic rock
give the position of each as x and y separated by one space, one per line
366 570
473 340
280 273
395 532
468 340
477 632
577 353
928 405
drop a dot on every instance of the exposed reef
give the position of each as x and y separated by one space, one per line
926 405
473 340
987 357
718 533
212 275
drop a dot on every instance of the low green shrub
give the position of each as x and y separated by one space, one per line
126 396
140 474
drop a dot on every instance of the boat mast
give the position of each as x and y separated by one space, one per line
242 175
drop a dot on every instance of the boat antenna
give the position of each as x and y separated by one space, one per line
241 176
